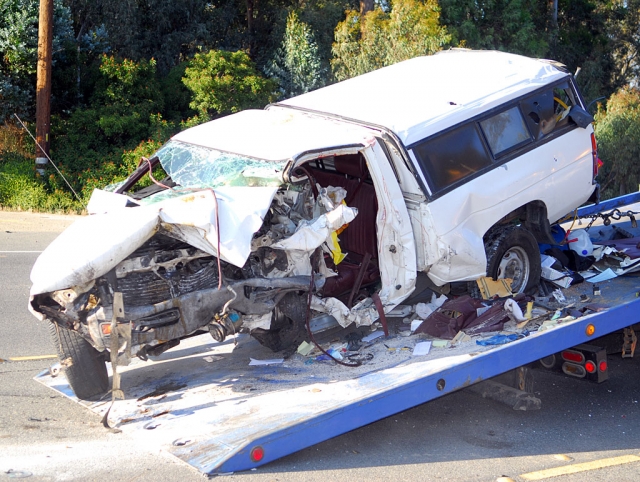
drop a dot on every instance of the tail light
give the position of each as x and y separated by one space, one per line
584 361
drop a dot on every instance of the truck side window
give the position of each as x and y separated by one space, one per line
539 113
505 130
548 111
563 100
452 156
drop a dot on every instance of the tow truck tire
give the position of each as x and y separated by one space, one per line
288 327
84 366
512 252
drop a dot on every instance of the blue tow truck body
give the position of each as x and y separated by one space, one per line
206 405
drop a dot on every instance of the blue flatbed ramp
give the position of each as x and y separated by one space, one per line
203 403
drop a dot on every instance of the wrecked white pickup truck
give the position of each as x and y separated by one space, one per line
327 206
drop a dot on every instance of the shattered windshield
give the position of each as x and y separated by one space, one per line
200 167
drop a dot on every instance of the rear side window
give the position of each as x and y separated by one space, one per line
505 131
548 111
452 156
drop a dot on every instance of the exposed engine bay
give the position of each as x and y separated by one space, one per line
172 289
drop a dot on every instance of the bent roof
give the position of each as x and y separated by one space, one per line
275 134
421 96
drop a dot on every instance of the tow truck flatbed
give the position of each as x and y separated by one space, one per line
203 403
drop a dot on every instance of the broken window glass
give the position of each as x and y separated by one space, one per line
202 167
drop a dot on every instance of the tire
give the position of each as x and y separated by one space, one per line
288 327
84 366
512 252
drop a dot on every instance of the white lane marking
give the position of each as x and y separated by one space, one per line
20 252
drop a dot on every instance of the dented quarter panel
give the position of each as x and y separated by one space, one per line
462 216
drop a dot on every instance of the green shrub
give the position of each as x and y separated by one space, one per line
21 191
93 145
226 82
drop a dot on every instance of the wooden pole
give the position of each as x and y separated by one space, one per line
43 84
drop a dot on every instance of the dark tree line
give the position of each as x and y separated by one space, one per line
129 73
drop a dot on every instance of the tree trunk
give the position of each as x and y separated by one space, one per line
554 14
250 16
366 6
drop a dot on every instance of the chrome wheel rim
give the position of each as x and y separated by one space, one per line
515 265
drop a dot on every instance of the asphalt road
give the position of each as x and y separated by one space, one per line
460 437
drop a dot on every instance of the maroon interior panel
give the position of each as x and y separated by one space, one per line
360 236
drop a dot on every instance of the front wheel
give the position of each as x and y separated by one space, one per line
512 252
84 366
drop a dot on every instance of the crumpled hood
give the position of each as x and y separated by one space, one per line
95 244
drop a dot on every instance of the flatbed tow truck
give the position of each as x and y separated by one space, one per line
206 405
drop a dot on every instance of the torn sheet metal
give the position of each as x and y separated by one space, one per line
362 314
95 244
309 236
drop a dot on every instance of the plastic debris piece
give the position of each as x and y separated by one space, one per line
404 333
501 339
305 348
579 241
440 343
373 336
547 261
556 315
490 288
422 348
529 314
461 337
415 324
335 353
548 324
400 311
423 310
273 361
334 246
559 296
556 277
482 310
514 309
604 276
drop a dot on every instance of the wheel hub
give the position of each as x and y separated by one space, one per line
515 265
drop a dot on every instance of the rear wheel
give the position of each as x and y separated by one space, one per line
84 366
512 252
288 327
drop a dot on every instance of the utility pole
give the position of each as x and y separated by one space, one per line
43 84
